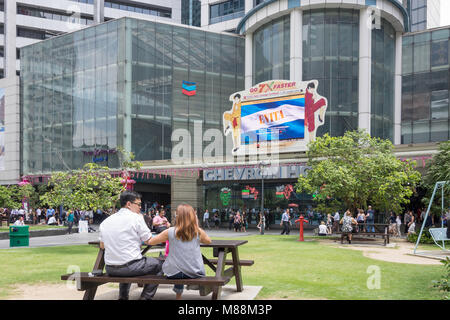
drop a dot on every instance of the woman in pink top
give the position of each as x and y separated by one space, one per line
160 222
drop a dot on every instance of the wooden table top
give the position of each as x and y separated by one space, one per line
213 244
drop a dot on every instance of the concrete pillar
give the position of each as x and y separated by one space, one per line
248 60
10 13
398 89
248 5
99 11
296 55
185 190
128 89
365 68
204 13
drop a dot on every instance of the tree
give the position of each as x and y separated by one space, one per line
438 170
8 197
89 188
356 170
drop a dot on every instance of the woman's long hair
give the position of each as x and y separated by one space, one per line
186 223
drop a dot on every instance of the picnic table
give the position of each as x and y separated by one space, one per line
221 248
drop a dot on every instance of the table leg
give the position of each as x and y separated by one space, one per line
219 272
89 294
237 269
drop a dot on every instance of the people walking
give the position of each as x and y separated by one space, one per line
70 220
347 221
237 222
285 222
206 219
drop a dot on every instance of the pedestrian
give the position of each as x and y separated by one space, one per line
267 219
411 226
406 221
121 236
336 219
398 221
70 220
360 219
184 260
347 221
393 224
286 222
329 223
216 220
230 220
206 219
370 219
237 222
244 222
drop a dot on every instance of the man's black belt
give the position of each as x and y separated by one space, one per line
123 265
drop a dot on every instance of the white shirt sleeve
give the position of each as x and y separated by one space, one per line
142 229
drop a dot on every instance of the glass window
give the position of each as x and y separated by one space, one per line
422 57
439 54
439 104
271 49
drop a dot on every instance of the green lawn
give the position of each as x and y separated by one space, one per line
286 268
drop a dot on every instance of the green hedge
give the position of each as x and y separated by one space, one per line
426 237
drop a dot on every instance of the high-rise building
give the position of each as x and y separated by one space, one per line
190 12
424 14
30 21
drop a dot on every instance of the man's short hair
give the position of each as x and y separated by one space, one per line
128 195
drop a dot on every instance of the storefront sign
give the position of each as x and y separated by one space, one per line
250 193
100 155
282 172
225 196
275 114
284 191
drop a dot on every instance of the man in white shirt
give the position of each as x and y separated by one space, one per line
19 222
206 219
121 235
52 221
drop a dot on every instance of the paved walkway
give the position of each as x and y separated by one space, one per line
84 238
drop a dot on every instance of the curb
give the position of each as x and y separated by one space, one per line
42 233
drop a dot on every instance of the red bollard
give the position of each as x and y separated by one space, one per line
301 220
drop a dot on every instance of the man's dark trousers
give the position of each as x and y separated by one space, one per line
144 266
286 228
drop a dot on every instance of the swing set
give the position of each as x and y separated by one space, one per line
439 235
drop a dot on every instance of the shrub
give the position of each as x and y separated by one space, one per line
443 284
426 237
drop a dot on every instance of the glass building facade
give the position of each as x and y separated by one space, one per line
120 84
271 51
331 55
425 87
383 72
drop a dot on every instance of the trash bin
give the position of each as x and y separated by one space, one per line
19 236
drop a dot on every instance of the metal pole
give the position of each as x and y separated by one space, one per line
263 217
426 216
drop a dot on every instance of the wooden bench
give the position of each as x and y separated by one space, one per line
381 229
85 282
89 282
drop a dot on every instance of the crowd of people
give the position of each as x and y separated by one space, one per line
53 217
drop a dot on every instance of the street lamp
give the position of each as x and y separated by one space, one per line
262 166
